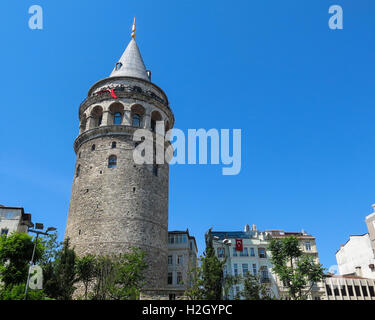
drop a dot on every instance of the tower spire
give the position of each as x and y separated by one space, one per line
134 28
131 63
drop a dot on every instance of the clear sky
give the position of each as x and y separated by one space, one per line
302 95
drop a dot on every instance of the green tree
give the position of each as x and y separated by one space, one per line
295 269
254 289
17 292
86 270
209 279
15 254
61 274
120 277
229 282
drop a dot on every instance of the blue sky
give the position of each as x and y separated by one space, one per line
302 95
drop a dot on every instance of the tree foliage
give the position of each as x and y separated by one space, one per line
119 277
208 277
296 270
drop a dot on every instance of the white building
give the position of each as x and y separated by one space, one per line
356 256
253 258
370 222
13 219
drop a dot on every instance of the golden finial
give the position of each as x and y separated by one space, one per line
133 29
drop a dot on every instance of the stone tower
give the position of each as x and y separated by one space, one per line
115 203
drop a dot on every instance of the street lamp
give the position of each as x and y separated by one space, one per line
226 243
40 227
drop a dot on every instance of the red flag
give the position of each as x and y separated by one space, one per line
112 92
239 245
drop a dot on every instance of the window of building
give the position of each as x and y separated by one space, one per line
113 145
136 120
179 259
118 66
262 252
234 252
170 260
364 291
245 269
93 147
179 277
170 278
172 296
112 161
171 238
220 252
4 232
254 269
357 291
191 245
371 291
308 246
245 252
343 291
350 291
155 170
328 289
117 118
78 170
100 118
235 269
264 273
252 252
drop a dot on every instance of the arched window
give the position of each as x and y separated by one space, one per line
100 120
136 120
113 145
93 147
112 161
117 119
155 116
118 66
155 170
78 170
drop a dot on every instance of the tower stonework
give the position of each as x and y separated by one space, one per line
115 203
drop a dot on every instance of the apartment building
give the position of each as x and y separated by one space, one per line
245 251
182 259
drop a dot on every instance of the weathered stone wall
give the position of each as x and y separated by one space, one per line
114 209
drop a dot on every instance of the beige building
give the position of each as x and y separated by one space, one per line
13 219
308 246
349 287
182 259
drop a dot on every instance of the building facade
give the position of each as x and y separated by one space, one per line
253 258
14 219
182 260
117 204
370 222
357 256
349 287
308 246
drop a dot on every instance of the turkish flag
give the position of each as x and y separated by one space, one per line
239 245
112 92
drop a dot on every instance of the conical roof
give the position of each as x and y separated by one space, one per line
131 63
